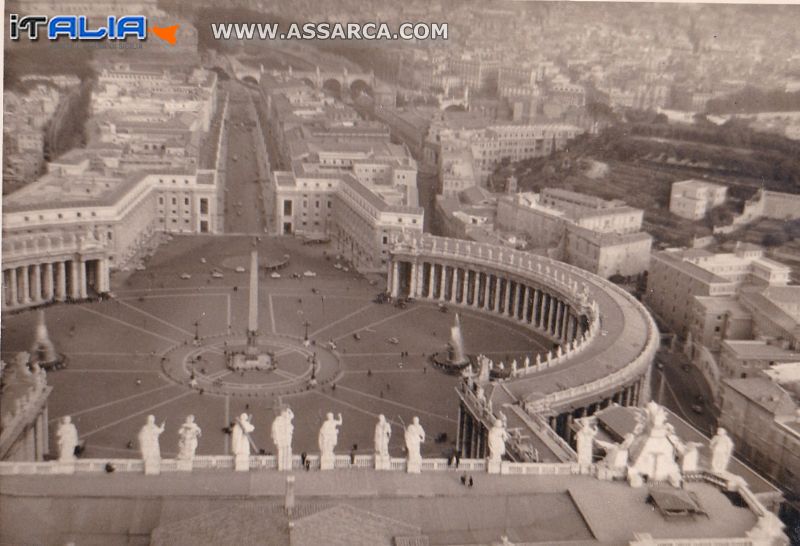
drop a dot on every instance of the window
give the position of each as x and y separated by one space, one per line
186 201
204 206
160 200
174 201
203 226
110 235
287 207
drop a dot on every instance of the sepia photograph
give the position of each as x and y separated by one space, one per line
420 273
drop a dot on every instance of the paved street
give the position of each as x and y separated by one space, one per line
244 206
115 378
682 390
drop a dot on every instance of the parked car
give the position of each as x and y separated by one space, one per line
393 340
185 276
309 274
240 269
275 275
697 408
217 274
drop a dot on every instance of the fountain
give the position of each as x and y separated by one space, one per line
43 352
456 359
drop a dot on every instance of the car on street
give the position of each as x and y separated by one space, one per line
357 336
202 260
185 276
140 267
217 274
337 266
309 274
393 340
240 269
275 275
697 408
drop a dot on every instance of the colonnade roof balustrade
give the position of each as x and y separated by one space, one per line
621 350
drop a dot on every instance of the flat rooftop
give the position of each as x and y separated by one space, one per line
124 508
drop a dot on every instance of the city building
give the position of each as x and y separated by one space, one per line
103 207
762 417
692 199
676 276
600 236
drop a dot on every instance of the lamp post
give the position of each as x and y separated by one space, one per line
306 324
196 332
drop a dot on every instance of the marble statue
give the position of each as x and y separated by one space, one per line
148 439
690 457
497 441
538 359
414 437
329 435
514 365
721 447
383 432
240 437
187 438
770 527
527 361
67 436
282 431
585 441
654 457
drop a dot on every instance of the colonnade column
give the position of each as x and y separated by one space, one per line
61 281
559 316
486 290
536 316
476 288
395 290
551 324
12 284
412 288
496 304
454 286
83 279
525 302
431 272
36 283
510 298
442 280
48 281
25 287
517 298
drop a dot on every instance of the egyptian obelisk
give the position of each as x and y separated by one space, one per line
252 322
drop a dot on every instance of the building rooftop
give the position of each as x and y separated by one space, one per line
527 509
765 393
753 349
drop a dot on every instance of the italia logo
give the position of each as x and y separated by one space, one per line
77 27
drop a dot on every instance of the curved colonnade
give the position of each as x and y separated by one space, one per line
605 340
39 269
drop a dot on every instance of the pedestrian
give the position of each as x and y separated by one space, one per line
464 478
352 457
308 465
458 458
471 483
303 457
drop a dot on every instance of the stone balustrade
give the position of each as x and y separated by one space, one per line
266 463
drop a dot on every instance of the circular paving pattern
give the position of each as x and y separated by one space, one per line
132 356
297 366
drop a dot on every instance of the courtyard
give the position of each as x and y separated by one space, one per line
136 354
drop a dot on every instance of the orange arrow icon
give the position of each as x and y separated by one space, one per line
166 33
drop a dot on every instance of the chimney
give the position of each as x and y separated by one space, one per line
289 503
